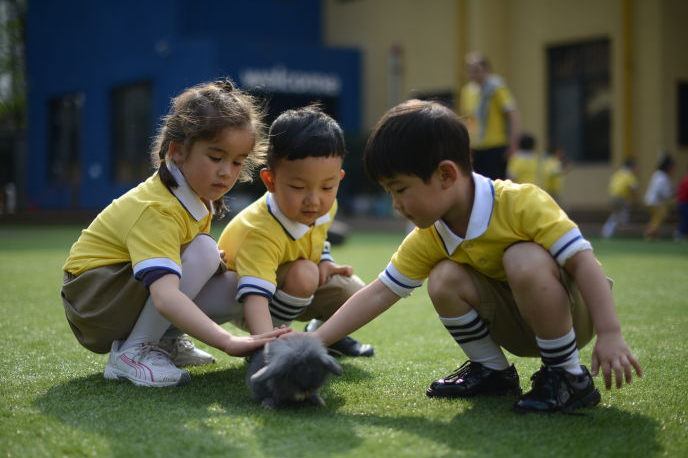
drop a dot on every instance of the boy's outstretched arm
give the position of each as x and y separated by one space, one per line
611 353
360 309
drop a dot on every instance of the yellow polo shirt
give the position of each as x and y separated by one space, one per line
261 238
622 183
552 175
503 213
487 127
147 226
523 167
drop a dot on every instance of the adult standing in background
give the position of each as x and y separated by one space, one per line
489 112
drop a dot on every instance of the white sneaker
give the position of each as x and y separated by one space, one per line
144 365
183 352
313 325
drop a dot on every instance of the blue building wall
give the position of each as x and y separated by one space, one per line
89 47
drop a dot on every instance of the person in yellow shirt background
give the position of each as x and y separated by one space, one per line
524 165
489 112
623 189
544 170
553 167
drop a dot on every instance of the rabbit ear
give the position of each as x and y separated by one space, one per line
263 373
332 365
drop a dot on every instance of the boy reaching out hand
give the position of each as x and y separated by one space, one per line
506 268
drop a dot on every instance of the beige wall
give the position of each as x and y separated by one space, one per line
659 63
675 65
647 71
425 30
515 35
536 25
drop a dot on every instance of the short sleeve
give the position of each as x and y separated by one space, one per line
412 262
256 265
544 222
154 242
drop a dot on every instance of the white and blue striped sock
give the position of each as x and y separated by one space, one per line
284 307
561 352
472 335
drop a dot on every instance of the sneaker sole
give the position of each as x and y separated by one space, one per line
589 400
113 374
510 392
338 354
193 362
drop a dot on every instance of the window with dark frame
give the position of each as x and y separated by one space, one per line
131 130
580 100
64 139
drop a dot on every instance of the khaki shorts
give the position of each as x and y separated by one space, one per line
103 304
326 300
508 328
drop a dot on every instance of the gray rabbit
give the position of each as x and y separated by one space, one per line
290 372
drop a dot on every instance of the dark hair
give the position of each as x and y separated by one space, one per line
200 113
526 142
665 163
304 132
413 138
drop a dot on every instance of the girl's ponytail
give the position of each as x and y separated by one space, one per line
159 158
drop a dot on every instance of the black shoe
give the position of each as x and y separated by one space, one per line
349 346
557 390
474 379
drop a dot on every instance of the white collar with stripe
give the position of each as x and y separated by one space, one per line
294 229
479 219
187 196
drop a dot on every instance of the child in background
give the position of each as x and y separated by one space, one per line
553 168
623 188
682 207
278 245
524 165
658 196
505 267
146 269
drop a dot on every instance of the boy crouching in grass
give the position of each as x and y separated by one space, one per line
506 268
278 245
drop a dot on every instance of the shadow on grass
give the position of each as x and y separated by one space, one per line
214 416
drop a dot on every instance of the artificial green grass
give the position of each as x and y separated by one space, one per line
54 400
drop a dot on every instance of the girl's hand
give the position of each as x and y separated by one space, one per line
244 346
611 353
329 268
223 256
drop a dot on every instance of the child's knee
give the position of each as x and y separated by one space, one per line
527 261
449 279
201 255
301 279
